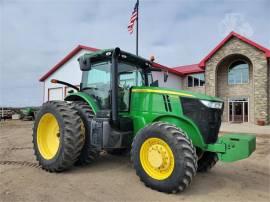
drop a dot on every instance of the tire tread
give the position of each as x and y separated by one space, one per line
184 147
72 141
89 153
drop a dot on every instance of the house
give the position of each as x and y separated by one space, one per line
236 70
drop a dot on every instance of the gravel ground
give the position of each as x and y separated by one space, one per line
112 178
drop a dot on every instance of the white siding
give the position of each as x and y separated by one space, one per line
173 81
69 72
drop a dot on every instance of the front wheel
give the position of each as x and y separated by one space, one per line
164 157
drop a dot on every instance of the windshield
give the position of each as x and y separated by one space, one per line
97 83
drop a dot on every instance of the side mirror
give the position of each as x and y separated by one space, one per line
166 75
85 63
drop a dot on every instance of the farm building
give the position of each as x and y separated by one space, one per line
236 70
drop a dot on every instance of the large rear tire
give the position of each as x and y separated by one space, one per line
89 152
164 157
207 161
57 137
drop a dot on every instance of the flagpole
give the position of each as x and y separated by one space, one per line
137 30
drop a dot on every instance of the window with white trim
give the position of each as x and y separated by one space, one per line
195 80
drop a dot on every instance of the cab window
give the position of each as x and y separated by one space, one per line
129 76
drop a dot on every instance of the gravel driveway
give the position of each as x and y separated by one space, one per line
112 178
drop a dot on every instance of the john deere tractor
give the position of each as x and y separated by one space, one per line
171 134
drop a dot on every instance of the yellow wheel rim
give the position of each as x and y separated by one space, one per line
48 136
157 158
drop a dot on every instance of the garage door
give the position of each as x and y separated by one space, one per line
55 94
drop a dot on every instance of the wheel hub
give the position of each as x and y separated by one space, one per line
157 158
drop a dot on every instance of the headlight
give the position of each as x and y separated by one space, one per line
214 105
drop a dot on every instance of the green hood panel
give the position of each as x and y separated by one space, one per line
181 93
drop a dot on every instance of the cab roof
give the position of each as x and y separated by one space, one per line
106 54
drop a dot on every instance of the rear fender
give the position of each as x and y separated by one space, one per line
80 96
187 126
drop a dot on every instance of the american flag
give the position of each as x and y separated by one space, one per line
133 18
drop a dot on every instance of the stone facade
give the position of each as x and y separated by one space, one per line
269 91
227 91
257 90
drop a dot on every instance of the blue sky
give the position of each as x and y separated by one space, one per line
36 34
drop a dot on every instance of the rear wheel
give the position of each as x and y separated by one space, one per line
207 161
57 136
164 157
89 152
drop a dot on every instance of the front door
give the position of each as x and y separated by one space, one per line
238 110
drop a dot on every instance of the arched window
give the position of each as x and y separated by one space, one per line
238 72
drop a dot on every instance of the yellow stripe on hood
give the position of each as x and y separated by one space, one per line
161 92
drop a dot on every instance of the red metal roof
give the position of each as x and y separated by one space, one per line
65 59
189 69
171 70
233 34
80 47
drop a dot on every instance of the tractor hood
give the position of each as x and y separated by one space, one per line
180 93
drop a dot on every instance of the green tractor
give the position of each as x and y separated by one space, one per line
28 113
170 134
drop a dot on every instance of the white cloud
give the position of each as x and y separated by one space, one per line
235 22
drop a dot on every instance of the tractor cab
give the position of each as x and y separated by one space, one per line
109 75
97 78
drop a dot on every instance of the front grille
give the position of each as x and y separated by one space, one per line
208 120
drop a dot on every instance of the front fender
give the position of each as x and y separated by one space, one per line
187 126
80 96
